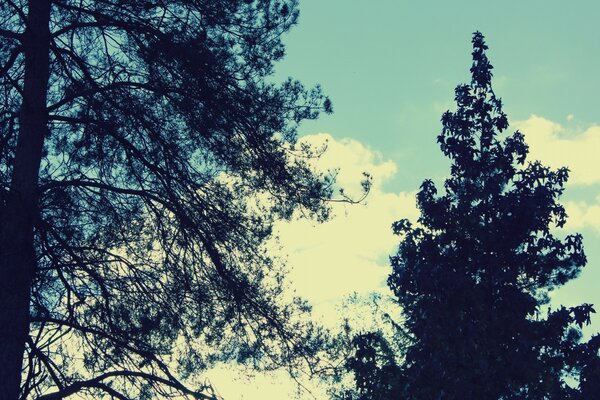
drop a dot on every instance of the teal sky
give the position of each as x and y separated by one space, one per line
390 68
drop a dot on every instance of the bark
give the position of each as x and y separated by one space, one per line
20 205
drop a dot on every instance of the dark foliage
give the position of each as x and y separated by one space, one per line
473 276
164 156
376 373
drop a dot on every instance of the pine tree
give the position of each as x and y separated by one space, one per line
134 136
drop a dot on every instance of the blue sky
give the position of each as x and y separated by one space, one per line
390 68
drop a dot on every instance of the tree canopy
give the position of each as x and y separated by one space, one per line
473 277
144 154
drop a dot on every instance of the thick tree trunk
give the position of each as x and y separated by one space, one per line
20 206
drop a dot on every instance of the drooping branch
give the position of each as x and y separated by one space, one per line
136 348
97 382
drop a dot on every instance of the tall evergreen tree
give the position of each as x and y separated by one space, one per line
132 135
473 276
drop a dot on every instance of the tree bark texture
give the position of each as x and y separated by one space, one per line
20 205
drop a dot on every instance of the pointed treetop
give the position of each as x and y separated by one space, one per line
481 70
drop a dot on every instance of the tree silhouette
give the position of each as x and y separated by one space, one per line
134 136
473 276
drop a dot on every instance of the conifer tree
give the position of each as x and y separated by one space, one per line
133 136
473 277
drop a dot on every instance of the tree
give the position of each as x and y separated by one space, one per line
473 276
144 156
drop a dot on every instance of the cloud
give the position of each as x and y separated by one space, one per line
556 146
350 252
352 158
237 383
582 214
330 261
552 144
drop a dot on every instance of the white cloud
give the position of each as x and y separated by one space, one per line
582 214
238 384
330 261
350 252
352 158
555 146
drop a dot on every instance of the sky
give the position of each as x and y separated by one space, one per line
390 68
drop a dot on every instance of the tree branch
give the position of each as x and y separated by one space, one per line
10 34
97 382
11 60
151 357
99 185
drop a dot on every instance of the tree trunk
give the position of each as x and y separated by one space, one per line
20 205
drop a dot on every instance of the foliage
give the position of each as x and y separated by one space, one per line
161 129
363 345
373 363
474 275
